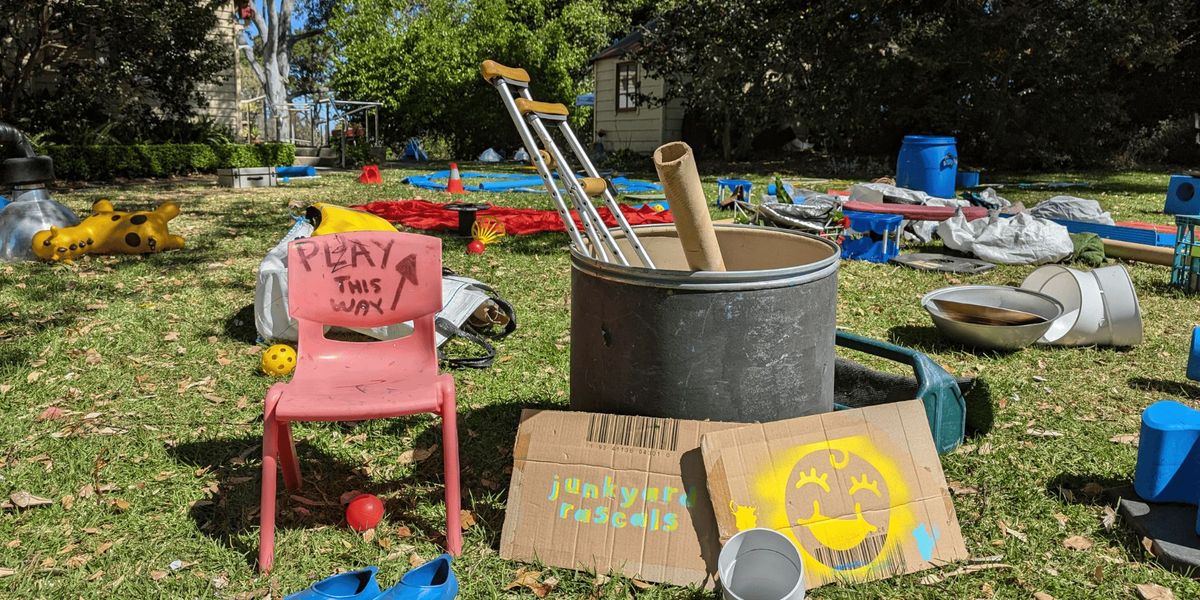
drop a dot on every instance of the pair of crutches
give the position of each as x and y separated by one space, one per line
528 114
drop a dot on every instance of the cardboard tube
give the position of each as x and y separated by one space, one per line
1154 255
681 183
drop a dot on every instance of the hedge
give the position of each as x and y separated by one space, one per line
162 160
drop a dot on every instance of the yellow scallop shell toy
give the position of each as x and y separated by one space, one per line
279 360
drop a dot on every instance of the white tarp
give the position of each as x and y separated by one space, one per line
1020 240
1071 208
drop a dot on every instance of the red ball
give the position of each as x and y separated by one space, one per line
475 247
364 512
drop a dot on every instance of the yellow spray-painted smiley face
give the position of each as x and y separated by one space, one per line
813 491
278 360
842 500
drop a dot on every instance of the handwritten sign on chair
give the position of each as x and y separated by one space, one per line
364 279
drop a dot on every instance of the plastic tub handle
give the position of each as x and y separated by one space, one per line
949 161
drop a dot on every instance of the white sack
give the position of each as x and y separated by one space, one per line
1071 208
1019 240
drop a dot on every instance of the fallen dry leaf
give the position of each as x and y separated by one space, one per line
1006 530
466 518
1148 546
121 505
172 336
1153 591
1109 519
936 578
415 559
368 536
403 531
102 548
1042 596
33 376
641 585
1077 542
1043 433
7 572
959 489
157 575
1092 488
1124 438
416 455
985 449
1061 518
24 499
78 560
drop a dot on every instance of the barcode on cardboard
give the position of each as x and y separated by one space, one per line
861 556
639 432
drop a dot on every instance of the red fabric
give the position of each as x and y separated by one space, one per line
430 216
914 212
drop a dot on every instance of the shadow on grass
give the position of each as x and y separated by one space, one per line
929 339
240 326
1163 386
1084 488
486 437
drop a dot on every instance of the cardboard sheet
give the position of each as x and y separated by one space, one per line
861 492
609 493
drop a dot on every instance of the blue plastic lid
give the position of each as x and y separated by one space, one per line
929 140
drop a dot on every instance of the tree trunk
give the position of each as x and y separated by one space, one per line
273 70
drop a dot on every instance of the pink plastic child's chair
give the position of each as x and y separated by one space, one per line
361 280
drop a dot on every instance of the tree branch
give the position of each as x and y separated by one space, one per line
255 66
303 35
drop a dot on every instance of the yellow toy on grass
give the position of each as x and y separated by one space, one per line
278 360
110 231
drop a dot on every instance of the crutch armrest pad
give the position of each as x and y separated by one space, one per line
541 108
593 186
491 69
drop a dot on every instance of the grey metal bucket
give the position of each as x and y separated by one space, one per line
755 343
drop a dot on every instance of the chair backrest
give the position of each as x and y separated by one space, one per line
365 279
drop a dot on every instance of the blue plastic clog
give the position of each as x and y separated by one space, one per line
433 580
354 585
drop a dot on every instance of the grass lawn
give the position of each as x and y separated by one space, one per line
153 466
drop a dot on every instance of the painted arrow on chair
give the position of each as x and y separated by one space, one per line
407 268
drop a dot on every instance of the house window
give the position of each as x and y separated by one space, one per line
627 86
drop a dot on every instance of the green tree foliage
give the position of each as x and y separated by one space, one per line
119 69
1019 82
421 59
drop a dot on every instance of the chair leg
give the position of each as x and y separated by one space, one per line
454 540
287 458
266 533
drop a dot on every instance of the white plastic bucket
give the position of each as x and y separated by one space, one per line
1122 313
1101 305
1083 304
761 564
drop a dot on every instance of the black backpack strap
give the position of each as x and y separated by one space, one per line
450 330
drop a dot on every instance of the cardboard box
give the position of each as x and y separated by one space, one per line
861 492
609 493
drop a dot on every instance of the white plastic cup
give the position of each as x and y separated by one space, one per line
761 564
1083 304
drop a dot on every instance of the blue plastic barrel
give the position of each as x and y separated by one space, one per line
928 163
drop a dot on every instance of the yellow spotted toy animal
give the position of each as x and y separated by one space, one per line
109 231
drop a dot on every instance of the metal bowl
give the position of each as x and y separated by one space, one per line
994 337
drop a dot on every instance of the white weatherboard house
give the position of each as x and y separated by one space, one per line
626 124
